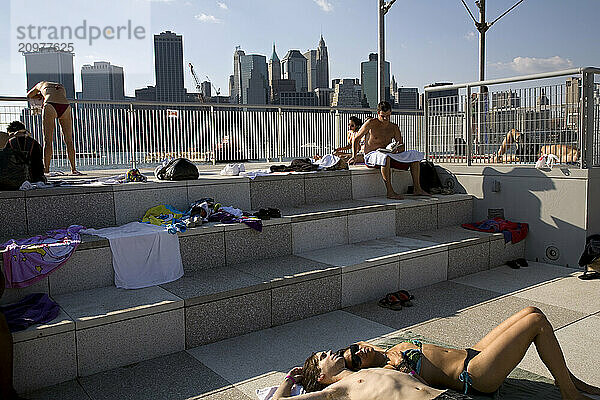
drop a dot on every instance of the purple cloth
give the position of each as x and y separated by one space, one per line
36 308
226 218
26 261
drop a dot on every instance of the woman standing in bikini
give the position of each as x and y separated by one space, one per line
479 369
56 106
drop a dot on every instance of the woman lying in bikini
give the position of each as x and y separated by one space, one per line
480 369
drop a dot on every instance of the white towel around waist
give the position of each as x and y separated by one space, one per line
377 158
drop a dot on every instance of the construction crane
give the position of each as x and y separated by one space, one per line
217 91
197 81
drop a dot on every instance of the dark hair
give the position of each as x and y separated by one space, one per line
310 374
384 106
15 126
357 121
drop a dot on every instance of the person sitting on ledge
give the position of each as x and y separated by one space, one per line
353 128
477 370
380 133
529 148
20 139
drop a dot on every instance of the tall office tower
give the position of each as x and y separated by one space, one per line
102 81
322 65
205 89
254 83
347 93
311 69
51 66
168 67
368 79
407 98
294 66
231 80
317 67
274 67
236 94
393 90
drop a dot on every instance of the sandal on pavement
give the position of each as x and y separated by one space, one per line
404 297
589 275
390 301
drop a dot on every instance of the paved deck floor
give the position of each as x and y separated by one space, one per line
457 312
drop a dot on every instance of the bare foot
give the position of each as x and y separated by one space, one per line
421 192
395 196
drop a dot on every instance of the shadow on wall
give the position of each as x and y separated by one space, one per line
554 208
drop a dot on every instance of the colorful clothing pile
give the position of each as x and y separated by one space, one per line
167 216
36 308
27 261
513 232
226 218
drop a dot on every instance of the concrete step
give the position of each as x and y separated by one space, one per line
302 228
106 327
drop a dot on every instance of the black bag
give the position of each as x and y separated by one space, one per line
179 169
15 168
429 176
592 250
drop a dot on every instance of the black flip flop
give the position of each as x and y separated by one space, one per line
513 264
404 297
521 262
588 276
274 212
263 213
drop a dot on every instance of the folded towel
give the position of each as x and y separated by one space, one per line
377 158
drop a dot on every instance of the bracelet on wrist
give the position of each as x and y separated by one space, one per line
291 379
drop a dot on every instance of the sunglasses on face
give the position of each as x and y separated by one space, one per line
355 360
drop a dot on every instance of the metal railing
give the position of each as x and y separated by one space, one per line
515 120
116 134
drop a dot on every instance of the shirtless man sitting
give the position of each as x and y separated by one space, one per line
380 134
337 382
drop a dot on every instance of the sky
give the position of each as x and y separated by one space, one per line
426 40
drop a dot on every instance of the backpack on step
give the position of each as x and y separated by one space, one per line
429 177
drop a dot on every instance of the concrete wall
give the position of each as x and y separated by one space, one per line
557 204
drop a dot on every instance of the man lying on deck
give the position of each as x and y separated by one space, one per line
380 133
366 384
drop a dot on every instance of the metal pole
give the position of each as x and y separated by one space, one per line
587 120
482 28
381 56
426 123
469 127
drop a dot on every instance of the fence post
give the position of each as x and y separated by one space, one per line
131 138
338 126
425 131
587 120
469 127
213 135
279 135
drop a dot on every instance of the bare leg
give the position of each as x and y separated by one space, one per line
415 171
507 323
386 174
48 117
499 358
66 125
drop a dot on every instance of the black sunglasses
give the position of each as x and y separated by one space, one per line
355 360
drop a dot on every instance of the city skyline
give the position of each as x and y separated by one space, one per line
535 38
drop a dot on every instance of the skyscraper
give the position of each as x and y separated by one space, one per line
102 81
52 66
368 79
407 98
322 65
294 66
274 67
317 67
168 67
236 92
254 86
